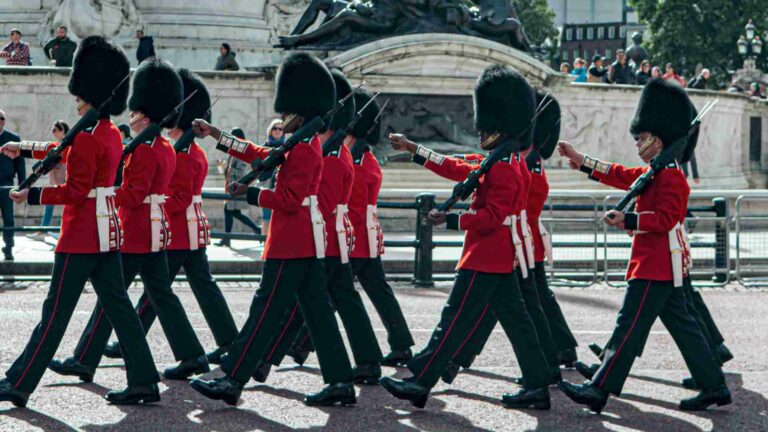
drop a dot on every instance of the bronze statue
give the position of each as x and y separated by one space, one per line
637 53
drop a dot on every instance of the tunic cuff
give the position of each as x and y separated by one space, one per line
452 221
35 195
632 221
253 195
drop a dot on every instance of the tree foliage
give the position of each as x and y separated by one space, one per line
688 32
538 20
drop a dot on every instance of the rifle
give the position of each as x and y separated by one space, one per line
276 156
154 129
504 147
53 158
336 139
667 155
182 144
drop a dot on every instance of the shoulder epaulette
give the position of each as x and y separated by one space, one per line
89 130
333 153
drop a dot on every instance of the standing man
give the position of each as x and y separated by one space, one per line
293 270
658 262
8 169
60 49
146 47
596 73
91 235
621 72
16 52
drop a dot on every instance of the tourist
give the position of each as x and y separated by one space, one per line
57 176
8 169
235 209
644 73
620 70
16 52
275 137
61 49
226 61
700 81
146 47
565 68
597 73
754 91
672 76
656 72
579 70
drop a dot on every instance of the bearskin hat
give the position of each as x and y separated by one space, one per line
547 130
98 68
304 86
198 105
157 90
505 102
663 110
360 130
344 116
690 146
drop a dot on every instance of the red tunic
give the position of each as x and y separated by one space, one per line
537 197
335 189
187 181
147 171
488 243
658 209
365 192
290 230
92 162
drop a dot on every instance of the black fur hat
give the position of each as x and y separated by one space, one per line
360 131
304 86
547 130
157 90
663 110
98 68
344 116
198 106
505 102
692 141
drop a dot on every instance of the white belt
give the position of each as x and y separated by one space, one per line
107 223
196 224
318 225
159 232
547 240
344 232
375 234
528 239
677 250
511 221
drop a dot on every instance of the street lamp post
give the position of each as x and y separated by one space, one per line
749 45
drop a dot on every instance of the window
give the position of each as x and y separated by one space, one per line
611 32
565 56
575 54
590 33
623 32
601 32
608 54
569 34
579 33
587 57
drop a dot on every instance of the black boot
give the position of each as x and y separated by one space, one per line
113 350
397 358
690 384
723 354
224 388
134 394
187 368
214 357
567 357
367 374
587 371
597 350
223 243
527 398
8 393
586 394
299 355
408 389
341 393
71 367
262 372
719 395
450 372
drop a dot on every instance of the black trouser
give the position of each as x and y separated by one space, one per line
6 207
70 273
206 291
370 274
153 269
231 215
701 313
284 281
472 293
561 333
644 301
485 324
349 305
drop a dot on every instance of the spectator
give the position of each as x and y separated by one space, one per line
644 73
579 70
226 61
60 49
656 72
57 176
16 52
754 90
8 168
234 209
146 48
275 137
735 87
125 132
672 76
596 73
565 68
700 82
621 73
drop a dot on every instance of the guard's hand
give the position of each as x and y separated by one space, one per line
401 143
614 218
11 149
566 150
237 189
436 217
19 196
203 129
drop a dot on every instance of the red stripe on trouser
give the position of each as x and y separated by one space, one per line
637 316
50 321
447 332
143 306
258 324
282 333
471 332
93 332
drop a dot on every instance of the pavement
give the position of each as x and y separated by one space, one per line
649 402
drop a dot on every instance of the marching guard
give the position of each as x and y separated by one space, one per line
295 246
657 263
505 106
91 234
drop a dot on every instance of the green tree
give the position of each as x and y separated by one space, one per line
688 32
538 20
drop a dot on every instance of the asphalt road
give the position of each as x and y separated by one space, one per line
649 402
